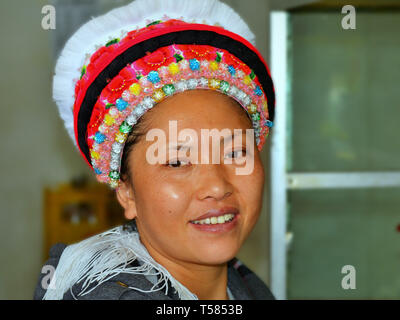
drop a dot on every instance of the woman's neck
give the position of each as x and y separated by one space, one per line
207 282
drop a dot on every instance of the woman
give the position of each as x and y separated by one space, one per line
172 115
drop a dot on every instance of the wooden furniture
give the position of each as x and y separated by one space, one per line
73 213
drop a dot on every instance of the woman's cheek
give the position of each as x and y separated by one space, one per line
171 200
251 190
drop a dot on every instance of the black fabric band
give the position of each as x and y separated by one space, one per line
200 37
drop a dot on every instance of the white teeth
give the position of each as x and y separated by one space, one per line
216 220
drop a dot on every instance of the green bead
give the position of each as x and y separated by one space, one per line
219 57
113 41
168 89
154 23
125 127
178 57
114 175
255 116
83 71
224 86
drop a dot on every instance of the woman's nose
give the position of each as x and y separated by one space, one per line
213 182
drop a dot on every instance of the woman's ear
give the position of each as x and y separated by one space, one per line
126 199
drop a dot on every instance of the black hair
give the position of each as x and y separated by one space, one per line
137 132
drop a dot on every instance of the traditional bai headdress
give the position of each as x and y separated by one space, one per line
119 65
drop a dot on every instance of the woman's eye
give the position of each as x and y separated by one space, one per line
177 163
237 153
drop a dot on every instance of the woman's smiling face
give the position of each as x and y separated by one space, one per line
166 198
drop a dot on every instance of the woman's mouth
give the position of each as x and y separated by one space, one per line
221 220
216 220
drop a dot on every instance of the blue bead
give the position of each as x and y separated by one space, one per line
258 91
269 123
153 77
97 171
231 70
99 137
194 64
121 104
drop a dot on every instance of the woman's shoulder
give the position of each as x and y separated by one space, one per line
245 284
108 265
121 286
48 269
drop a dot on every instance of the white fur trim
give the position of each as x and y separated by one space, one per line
115 23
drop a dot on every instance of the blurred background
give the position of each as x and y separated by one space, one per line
332 162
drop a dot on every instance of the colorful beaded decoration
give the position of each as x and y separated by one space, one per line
148 80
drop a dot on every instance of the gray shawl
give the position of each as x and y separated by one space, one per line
115 266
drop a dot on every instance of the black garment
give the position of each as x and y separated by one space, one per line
242 282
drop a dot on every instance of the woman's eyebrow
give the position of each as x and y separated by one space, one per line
225 139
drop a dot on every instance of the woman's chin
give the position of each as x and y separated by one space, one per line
216 255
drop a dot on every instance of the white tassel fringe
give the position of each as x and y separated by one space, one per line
101 257
137 14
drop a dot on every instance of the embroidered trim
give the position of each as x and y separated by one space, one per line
120 110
